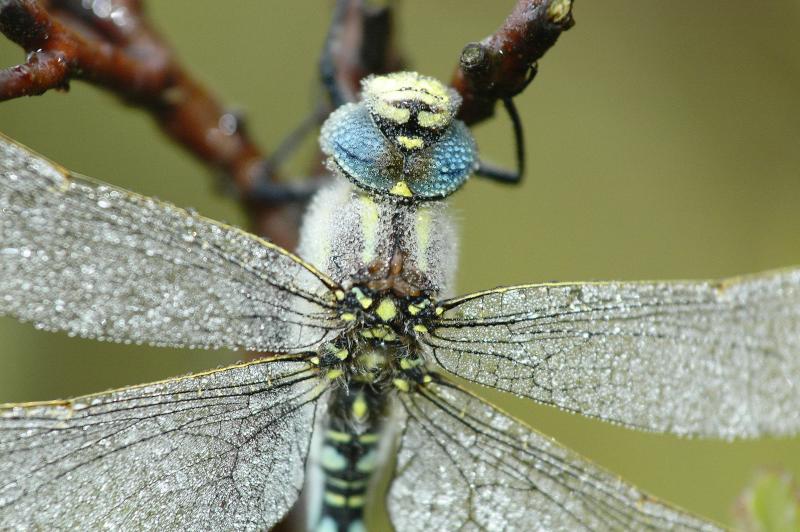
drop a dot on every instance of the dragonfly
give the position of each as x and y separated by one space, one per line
367 349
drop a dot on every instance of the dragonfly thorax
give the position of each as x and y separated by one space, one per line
380 347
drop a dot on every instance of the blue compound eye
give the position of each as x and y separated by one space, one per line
402 139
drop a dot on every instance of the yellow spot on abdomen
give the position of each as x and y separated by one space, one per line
360 407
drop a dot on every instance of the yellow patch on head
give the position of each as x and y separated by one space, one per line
406 86
386 110
401 189
433 120
410 143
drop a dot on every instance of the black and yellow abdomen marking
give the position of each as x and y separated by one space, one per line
349 455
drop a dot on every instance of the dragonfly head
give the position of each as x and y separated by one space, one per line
401 139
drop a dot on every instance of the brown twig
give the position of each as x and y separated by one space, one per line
500 66
113 46
117 49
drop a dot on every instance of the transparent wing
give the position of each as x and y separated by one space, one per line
464 465
718 359
223 450
101 262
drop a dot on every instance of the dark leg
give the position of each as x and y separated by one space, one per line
502 175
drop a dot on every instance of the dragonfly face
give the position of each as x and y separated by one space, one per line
364 335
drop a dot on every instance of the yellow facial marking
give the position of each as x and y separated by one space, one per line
401 189
410 143
427 379
433 120
386 310
388 111
439 311
342 354
420 328
314 360
360 407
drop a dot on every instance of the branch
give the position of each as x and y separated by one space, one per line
501 66
116 48
113 46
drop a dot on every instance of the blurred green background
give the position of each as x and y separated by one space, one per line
663 139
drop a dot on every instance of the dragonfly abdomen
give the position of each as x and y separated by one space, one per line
348 456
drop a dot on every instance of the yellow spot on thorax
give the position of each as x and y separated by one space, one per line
362 299
401 384
386 310
369 228
334 374
408 363
423 229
